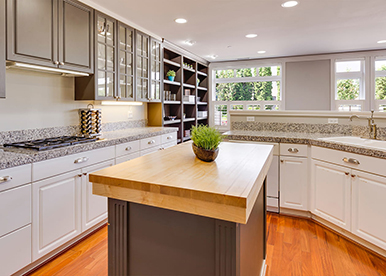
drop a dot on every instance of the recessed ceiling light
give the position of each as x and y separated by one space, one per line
181 20
229 46
213 56
190 42
289 4
261 52
251 35
381 41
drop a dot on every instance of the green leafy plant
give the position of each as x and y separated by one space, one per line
171 73
206 137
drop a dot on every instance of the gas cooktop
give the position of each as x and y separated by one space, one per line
52 143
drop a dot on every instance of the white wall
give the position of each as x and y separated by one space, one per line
38 100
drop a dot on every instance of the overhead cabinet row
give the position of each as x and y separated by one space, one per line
123 63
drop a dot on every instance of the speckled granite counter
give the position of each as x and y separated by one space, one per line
302 138
15 157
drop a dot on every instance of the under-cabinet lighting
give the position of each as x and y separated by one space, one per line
290 4
181 20
119 103
11 64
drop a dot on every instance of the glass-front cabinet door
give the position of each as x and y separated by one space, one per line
125 62
106 57
142 64
155 75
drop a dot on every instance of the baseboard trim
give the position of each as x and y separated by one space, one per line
60 250
381 253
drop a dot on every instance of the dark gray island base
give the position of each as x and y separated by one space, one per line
151 241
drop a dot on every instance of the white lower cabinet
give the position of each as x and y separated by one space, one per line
368 207
127 157
15 251
293 183
56 215
94 207
331 193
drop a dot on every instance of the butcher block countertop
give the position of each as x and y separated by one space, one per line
175 179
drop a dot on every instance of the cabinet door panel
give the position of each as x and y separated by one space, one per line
368 207
32 31
293 183
331 193
94 207
76 36
56 212
2 49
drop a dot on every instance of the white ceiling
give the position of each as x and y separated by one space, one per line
312 27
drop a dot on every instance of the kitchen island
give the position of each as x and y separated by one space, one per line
171 214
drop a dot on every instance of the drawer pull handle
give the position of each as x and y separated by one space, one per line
169 137
151 142
351 161
128 148
294 150
81 160
346 173
5 179
353 175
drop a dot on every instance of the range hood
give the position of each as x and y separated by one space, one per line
63 72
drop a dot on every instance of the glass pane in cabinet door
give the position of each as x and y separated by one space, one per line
101 84
145 85
153 50
101 29
139 67
122 85
129 63
110 84
152 90
145 67
153 70
158 71
122 62
139 44
110 59
145 49
139 88
129 40
157 90
122 38
158 52
129 87
101 56
110 33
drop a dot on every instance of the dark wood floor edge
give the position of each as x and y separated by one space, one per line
369 250
64 250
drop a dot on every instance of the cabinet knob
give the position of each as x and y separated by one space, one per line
169 137
295 150
80 175
56 62
353 175
81 160
128 148
61 63
346 173
151 142
84 174
282 161
4 179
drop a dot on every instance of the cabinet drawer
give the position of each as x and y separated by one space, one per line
127 148
169 145
127 157
169 137
354 161
15 251
15 209
293 150
68 163
148 151
150 142
16 176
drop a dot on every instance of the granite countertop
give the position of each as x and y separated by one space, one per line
12 157
303 138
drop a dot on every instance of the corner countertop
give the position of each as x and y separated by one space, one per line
173 179
302 138
12 157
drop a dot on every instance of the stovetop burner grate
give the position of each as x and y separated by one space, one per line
51 143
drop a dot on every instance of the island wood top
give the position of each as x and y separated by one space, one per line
175 179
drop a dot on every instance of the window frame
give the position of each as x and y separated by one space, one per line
377 74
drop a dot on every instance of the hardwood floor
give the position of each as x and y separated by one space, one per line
296 247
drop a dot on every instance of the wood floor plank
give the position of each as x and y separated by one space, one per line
295 247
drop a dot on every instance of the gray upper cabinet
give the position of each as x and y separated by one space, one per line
2 49
143 66
54 33
76 36
156 72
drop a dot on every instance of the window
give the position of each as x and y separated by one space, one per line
380 84
255 88
349 85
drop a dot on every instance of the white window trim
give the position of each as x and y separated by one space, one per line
377 74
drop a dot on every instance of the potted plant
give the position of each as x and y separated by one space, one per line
205 142
171 75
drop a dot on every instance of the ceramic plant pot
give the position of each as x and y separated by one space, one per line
171 78
205 155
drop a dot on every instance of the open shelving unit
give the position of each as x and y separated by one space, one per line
190 80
